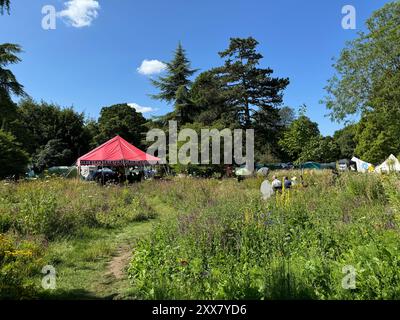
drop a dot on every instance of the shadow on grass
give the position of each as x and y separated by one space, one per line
74 294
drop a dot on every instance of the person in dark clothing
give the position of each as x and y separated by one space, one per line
287 183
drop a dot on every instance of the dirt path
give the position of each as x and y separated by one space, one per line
115 284
95 265
117 266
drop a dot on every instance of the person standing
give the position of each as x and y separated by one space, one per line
276 184
287 183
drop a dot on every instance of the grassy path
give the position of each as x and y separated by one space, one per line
93 264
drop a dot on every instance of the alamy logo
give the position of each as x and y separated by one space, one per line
204 150
49 280
349 280
349 20
49 21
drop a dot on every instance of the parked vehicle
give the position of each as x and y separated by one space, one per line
343 164
103 176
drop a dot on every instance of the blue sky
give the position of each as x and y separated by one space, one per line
93 62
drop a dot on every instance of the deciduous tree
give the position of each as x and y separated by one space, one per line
13 159
123 120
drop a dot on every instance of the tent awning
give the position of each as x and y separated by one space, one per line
116 152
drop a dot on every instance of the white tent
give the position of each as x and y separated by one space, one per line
362 166
391 164
263 171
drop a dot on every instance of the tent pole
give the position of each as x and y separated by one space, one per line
102 173
126 176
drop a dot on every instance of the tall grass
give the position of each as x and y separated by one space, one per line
58 207
226 243
32 214
217 239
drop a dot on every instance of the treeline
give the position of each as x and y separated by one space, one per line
45 135
240 93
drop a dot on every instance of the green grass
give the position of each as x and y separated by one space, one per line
217 238
82 263
224 242
76 227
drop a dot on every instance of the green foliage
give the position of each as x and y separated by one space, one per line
248 88
4 4
210 103
378 133
298 136
19 261
367 82
364 63
61 208
292 247
54 153
320 149
184 107
287 115
13 160
345 139
123 120
178 74
52 135
8 83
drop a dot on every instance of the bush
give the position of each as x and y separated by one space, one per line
13 160
18 263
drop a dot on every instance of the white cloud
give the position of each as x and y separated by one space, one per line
139 108
149 67
80 13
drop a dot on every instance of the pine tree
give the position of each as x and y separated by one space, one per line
8 84
249 89
4 4
178 74
183 106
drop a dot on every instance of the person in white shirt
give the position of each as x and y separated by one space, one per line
276 184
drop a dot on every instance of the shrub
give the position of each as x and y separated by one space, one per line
18 263
13 159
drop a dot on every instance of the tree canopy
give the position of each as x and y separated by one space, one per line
14 159
296 140
249 89
123 120
364 63
4 6
178 74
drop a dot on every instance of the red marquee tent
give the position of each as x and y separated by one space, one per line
116 152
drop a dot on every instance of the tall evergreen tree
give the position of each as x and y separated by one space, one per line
177 78
250 89
183 106
4 5
208 96
8 85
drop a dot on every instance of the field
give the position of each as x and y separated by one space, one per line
187 238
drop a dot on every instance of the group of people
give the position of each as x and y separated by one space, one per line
287 183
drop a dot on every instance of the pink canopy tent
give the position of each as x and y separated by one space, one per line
116 152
